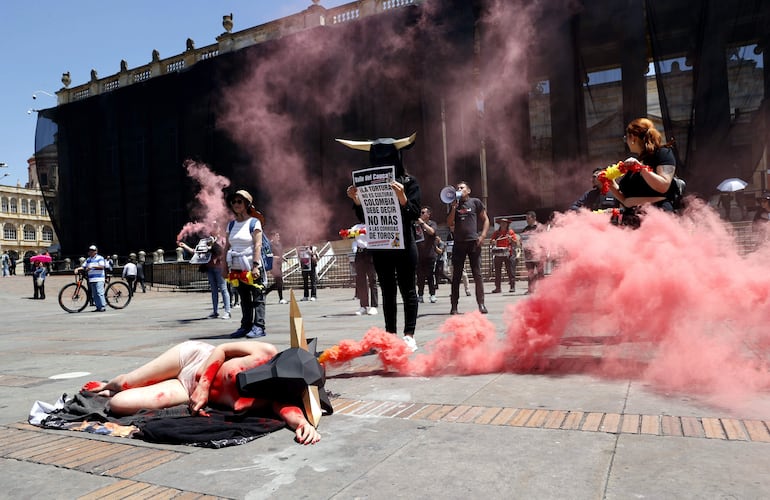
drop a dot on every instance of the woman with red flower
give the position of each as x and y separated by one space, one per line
654 185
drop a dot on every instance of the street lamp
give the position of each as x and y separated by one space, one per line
35 93
3 164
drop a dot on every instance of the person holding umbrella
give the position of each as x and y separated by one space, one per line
38 280
40 265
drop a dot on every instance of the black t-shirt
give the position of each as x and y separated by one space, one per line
426 242
467 219
633 185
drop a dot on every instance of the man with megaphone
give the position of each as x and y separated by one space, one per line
450 195
469 222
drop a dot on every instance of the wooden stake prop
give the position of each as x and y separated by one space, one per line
310 398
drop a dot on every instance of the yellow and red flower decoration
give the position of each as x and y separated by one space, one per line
352 233
619 169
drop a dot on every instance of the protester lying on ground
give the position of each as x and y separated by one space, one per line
196 373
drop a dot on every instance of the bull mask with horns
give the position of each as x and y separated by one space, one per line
384 151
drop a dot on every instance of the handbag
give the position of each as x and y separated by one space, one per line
39 281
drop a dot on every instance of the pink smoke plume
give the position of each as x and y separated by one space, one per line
316 70
673 304
209 210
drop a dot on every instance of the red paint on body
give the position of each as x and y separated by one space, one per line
90 386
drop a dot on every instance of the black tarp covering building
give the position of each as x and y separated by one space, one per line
521 104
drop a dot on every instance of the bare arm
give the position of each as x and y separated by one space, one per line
352 193
426 227
257 237
185 246
304 432
660 180
253 354
450 218
485 227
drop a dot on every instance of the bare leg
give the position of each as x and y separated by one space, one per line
164 367
161 395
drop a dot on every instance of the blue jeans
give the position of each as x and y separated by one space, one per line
218 285
97 294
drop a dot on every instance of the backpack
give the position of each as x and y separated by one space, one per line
678 193
267 249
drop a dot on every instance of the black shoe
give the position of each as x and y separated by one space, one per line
496 290
483 309
239 333
453 311
512 290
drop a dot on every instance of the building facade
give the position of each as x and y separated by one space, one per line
521 102
26 225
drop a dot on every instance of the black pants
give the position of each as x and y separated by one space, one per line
396 270
277 285
366 281
461 250
252 306
309 282
425 272
131 280
510 268
39 290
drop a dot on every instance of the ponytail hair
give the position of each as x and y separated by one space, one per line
645 131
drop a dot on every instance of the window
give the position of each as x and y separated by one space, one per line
29 233
4 204
25 206
47 234
43 209
14 206
9 232
33 207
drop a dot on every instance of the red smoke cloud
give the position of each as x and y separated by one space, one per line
209 211
673 304
316 70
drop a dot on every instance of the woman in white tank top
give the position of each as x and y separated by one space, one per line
244 249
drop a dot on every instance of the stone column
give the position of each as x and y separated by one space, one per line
712 102
633 63
567 107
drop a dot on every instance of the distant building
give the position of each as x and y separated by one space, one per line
24 217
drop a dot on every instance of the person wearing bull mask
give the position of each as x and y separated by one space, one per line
396 268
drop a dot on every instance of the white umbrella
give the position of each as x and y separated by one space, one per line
732 184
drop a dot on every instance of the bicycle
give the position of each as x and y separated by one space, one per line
74 297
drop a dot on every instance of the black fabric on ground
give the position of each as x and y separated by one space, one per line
175 425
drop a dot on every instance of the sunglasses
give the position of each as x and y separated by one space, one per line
237 200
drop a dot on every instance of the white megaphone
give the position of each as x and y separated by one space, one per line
449 194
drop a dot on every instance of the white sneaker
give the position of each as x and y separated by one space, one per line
225 315
410 343
283 301
312 299
361 311
372 311
256 332
432 299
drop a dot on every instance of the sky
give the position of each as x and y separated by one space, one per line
44 38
